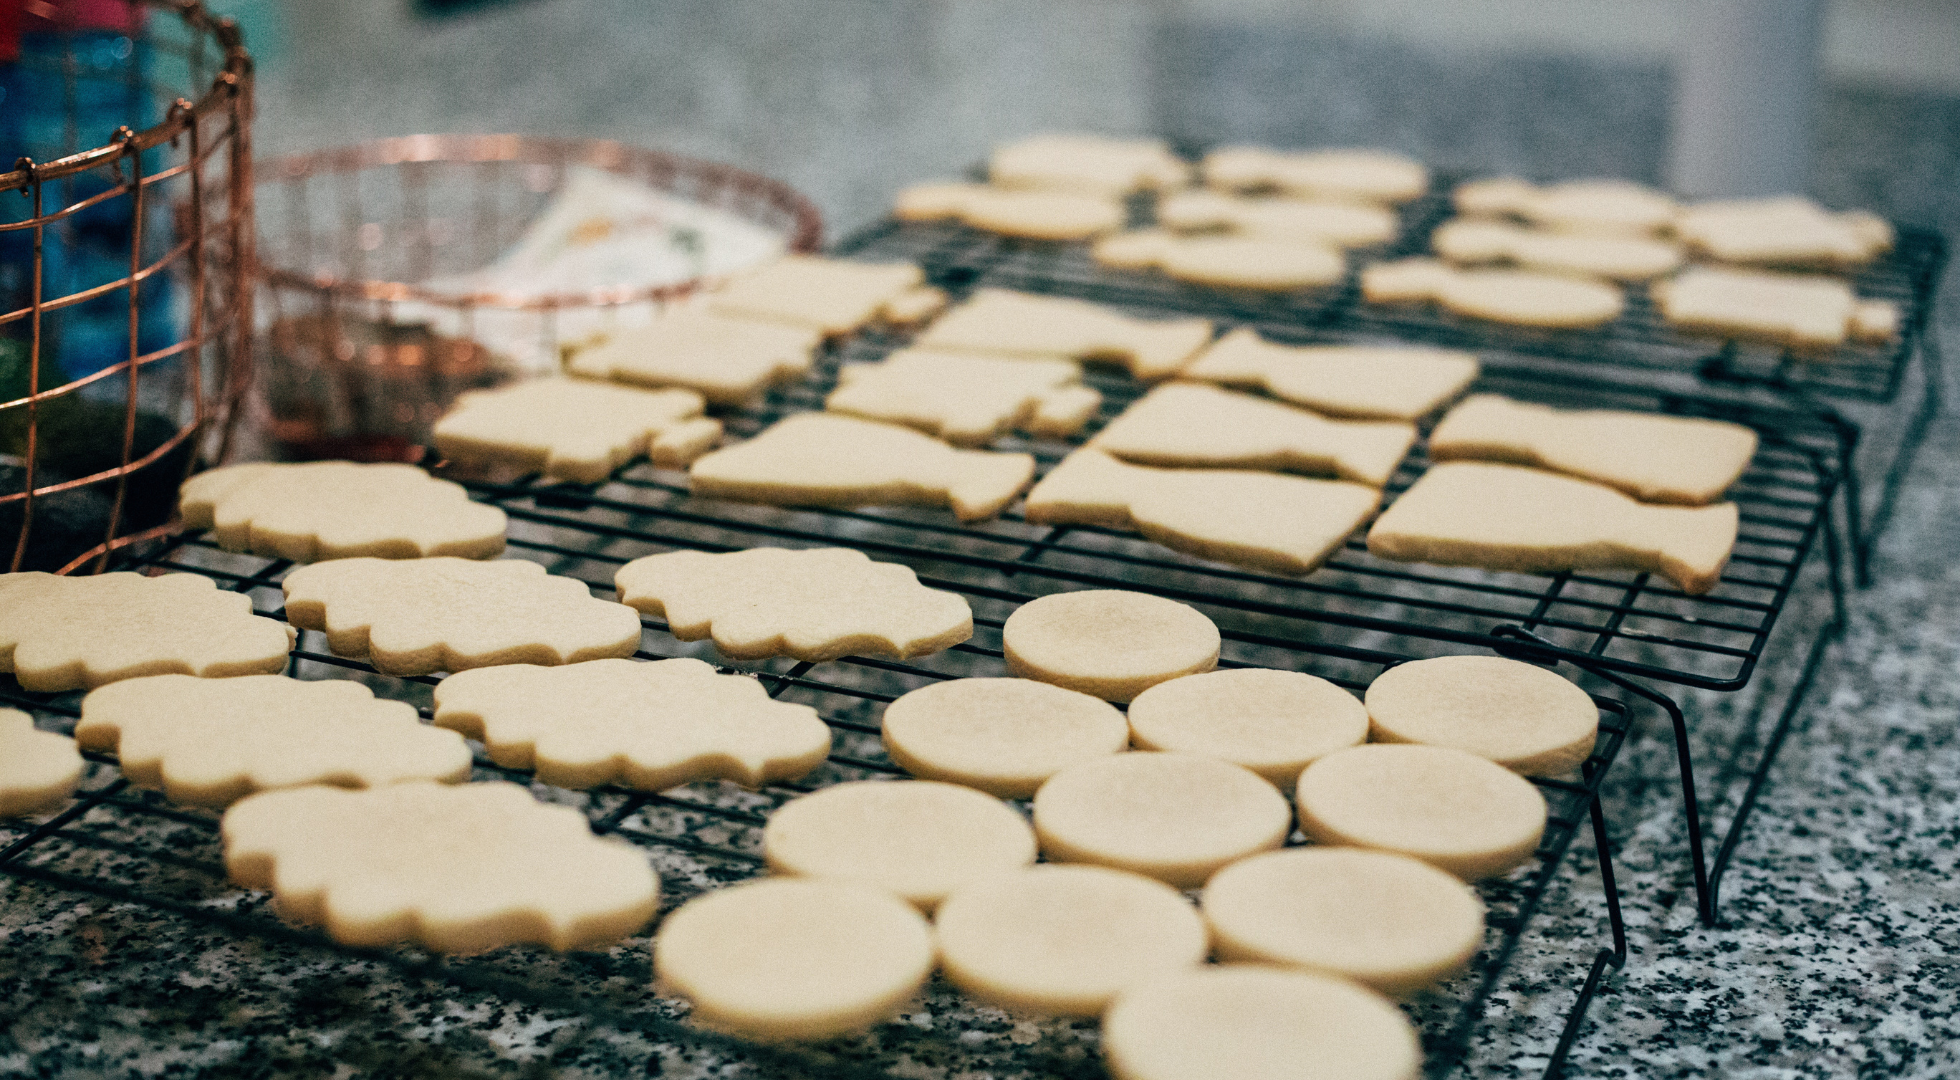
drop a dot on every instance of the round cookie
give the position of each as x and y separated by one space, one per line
1272 722
793 959
1449 808
1521 716
1257 1023
1530 298
1112 643
1065 939
1003 736
1174 817
918 838
1392 922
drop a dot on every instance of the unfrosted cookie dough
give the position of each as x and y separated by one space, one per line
1194 424
1002 736
1023 324
1111 643
1449 808
793 958
728 361
75 633
38 769
1273 522
575 430
967 399
1032 214
1342 224
211 742
1504 517
918 839
825 459
1389 921
454 869
1257 1023
1804 311
1377 176
1356 381
1786 230
1589 205
645 726
1174 817
1519 297
1655 458
1231 261
1523 717
1065 939
1090 163
1272 722
813 604
831 296
337 509
1607 255
418 616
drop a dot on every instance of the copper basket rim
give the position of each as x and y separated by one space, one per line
804 236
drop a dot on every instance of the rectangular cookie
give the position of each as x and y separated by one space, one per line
1356 381
1022 324
1195 424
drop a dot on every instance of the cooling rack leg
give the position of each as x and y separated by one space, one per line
1615 957
1930 402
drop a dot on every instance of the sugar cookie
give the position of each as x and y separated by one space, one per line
826 459
75 633
1357 381
1023 324
915 305
918 839
1091 163
1343 224
1519 297
1389 921
1185 423
1110 643
967 399
1525 718
726 360
1065 939
1363 175
1621 258
1786 230
338 509
1002 736
1503 517
1606 205
789 958
833 296
574 430
1267 521
1491 195
815 604
211 742
645 726
1229 261
1272 722
1806 311
1032 214
38 769
454 869
417 616
1063 411
1174 817
1669 459
1252 1022
1449 808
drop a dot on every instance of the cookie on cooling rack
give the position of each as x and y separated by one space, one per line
831 296
1275 723
1357 381
1618 258
1518 297
453 869
1112 643
210 742
1597 206
339 509
1023 324
727 360
1369 176
1337 222
571 429
1092 163
1029 213
1450 808
1785 230
1233 261
967 399
73 633
1519 715
645 726
1002 736
1174 817
1802 311
418 616
38 769
1194 424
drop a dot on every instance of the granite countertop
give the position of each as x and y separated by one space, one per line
1840 926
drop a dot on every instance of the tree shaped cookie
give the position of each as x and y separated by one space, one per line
340 509
817 604
416 616
210 742
968 399
1362 381
457 869
575 430
726 360
643 726
71 633
823 459
1194 424
1023 324
1268 521
38 769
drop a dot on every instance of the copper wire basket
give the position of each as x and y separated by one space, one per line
351 362
90 461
